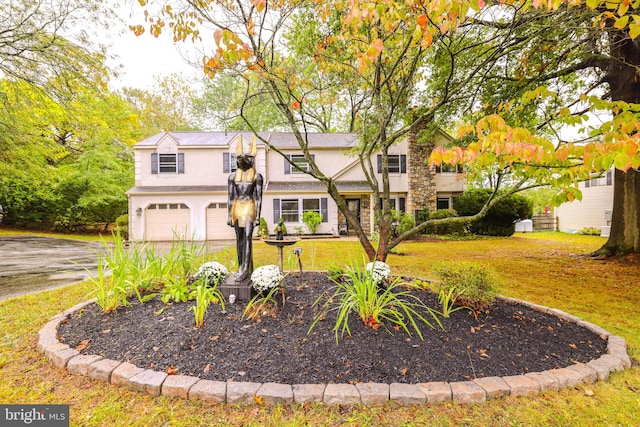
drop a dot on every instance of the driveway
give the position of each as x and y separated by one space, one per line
30 264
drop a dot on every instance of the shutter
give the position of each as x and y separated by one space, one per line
226 168
403 163
154 162
276 210
180 162
438 168
287 166
313 159
402 204
323 209
379 163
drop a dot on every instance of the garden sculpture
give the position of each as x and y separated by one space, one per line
279 230
245 202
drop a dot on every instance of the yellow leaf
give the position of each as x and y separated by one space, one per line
634 30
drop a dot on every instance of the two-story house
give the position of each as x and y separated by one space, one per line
181 182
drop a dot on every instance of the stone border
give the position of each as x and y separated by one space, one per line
464 392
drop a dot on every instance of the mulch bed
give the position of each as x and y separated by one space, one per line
507 340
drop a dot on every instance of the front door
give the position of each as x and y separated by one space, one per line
354 208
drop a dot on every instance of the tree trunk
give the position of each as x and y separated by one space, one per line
623 77
625 221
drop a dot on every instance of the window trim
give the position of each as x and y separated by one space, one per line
277 208
401 163
157 165
290 170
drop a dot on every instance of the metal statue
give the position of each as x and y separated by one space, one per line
245 203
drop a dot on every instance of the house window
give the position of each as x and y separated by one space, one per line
298 160
229 163
609 177
167 163
447 168
291 210
397 163
396 204
443 203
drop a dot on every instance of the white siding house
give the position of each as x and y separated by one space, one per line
181 183
594 210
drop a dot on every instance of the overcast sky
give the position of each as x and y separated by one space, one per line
140 59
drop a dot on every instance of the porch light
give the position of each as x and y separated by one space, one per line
139 211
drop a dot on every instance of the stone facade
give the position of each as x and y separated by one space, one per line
422 185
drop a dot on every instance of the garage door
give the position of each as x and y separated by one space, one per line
217 228
165 221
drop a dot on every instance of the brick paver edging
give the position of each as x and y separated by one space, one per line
479 390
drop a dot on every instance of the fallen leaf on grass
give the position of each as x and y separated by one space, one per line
258 399
589 392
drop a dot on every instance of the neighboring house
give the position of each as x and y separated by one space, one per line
181 182
595 208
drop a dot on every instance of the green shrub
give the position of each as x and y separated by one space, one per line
476 285
263 229
312 220
444 228
590 231
284 228
499 220
405 222
423 215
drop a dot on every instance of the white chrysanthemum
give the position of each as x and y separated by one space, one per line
212 273
266 278
378 270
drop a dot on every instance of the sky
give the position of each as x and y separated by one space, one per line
141 58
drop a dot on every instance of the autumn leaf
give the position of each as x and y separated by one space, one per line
83 344
421 20
207 368
171 370
258 399
403 371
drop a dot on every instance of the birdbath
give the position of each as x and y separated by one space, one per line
280 244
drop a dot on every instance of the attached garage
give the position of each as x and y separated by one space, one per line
165 221
217 228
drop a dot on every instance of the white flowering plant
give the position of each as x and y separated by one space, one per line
379 271
266 278
211 273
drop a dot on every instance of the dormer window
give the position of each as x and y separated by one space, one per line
167 163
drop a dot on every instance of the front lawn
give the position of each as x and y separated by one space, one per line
539 267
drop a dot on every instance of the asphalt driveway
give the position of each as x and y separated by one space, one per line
30 264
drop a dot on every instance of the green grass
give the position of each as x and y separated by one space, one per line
538 267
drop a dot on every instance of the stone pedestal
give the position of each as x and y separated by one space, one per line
242 290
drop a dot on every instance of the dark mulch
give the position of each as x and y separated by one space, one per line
508 340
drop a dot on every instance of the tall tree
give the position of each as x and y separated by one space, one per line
376 57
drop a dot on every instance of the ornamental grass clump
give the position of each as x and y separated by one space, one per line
211 273
475 285
204 295
361 294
